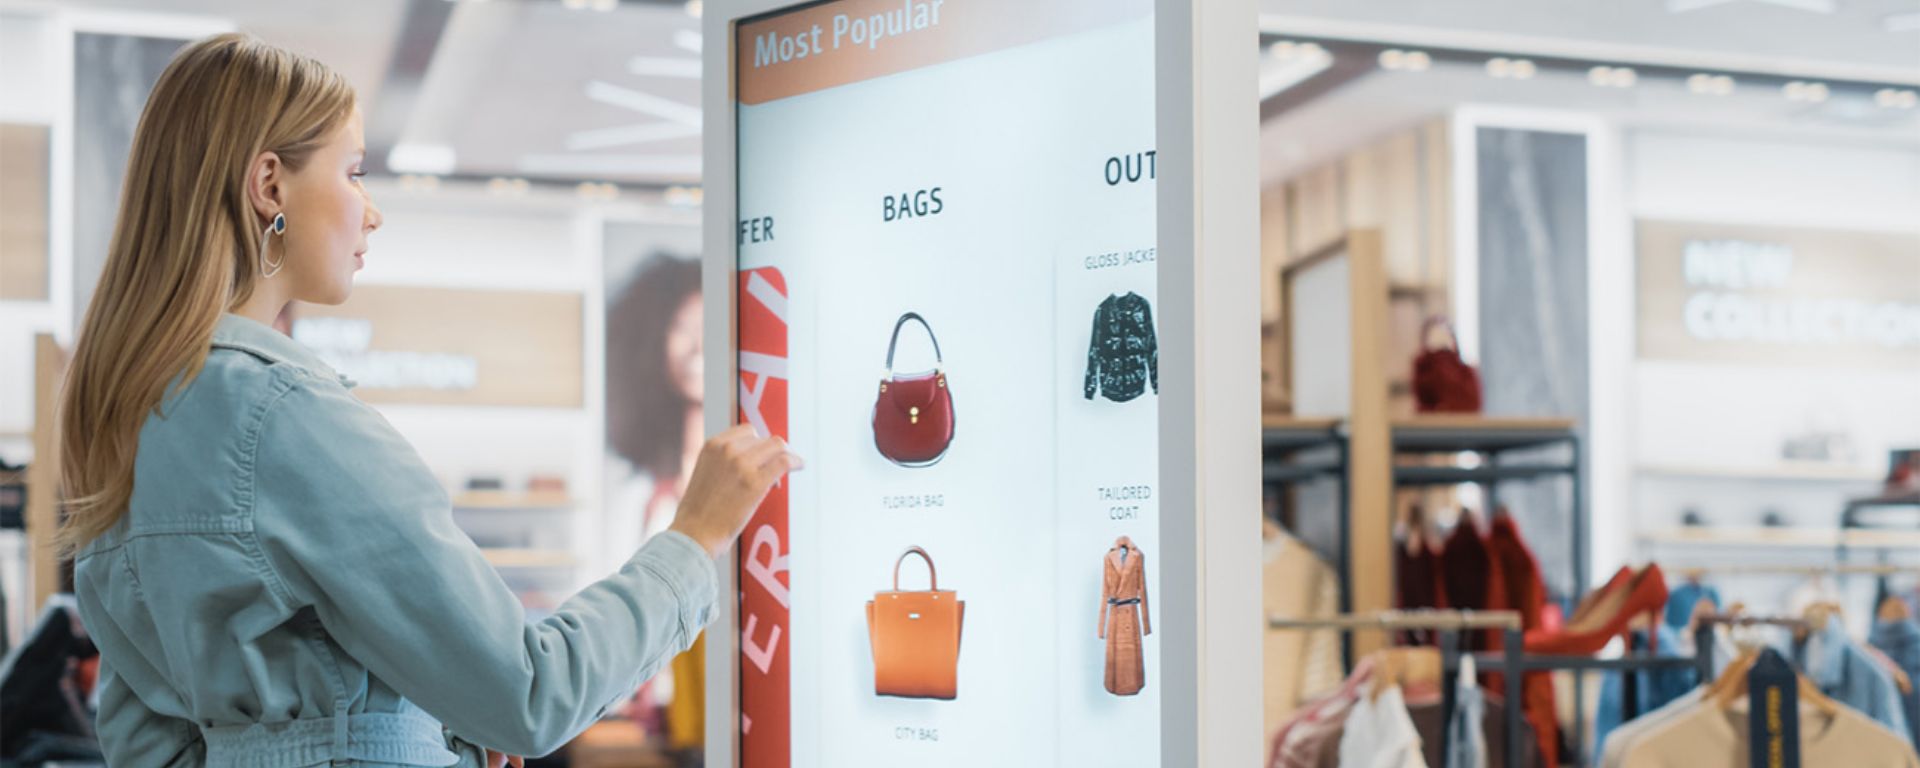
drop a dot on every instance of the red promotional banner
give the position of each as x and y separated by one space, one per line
765 701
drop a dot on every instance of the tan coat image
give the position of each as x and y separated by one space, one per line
1123 617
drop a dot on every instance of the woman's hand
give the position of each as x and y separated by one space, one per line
497 760
733 474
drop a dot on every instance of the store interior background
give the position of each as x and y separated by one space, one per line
1497 162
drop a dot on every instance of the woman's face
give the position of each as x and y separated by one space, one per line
684 366
329 216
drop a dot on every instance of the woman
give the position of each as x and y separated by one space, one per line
272 574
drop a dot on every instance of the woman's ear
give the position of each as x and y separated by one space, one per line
264 179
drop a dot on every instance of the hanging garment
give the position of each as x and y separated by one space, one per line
1613 746
1526 593
1417 578
1473 580
1380 734
1466 743
1900 641
1300 664
1124 357
1427 719
1708 736
1682 599
1123 617
1654 689
1316 728
1845 672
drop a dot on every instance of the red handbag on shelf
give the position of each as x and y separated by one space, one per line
913 416
1442 382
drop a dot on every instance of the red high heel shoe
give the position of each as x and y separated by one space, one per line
1644 593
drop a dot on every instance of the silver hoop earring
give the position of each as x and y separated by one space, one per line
278 227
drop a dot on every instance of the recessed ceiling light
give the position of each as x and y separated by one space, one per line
1896 98
662 66
1707 84
605 6
1405 61
1612 77
574 5
1800 90
687 40
1504 68
694 8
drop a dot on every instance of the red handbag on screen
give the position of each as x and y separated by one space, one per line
1442 382
913 417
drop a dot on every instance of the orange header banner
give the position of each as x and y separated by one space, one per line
847 41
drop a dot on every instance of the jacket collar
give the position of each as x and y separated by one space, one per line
247 335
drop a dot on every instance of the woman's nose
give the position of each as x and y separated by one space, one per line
373 217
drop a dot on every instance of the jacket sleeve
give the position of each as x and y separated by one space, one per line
1153 348
134 736
1093 351
352 523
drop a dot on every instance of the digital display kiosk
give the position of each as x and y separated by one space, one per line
943 290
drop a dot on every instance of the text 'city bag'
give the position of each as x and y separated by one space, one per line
915 637
1442 382
913 417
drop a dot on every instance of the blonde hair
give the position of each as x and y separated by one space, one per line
185 250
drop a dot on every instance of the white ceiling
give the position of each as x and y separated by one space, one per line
1382 102
1854 37
507 87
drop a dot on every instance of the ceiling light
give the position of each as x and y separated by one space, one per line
1504 68
687 40
1289 64
1710 85
1896 98
605 6
420 158
694 8
1405 61
663 66
574 5
1799 90
644 103
1288 50
1612 77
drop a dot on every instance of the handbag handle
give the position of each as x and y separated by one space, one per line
933 579
1442 321
895 342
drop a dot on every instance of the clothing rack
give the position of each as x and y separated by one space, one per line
1798 570
1449 623
1703 634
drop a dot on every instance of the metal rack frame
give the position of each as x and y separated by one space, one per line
1283 443
1491 439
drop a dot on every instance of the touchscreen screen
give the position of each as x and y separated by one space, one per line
946 299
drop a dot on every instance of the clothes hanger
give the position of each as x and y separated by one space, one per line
1732 687
1893 608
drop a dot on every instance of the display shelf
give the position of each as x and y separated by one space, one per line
1283 441
1436 433
1811 538
529 500
500 557
1785 472
1418 475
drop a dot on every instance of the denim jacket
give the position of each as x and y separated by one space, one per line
288 588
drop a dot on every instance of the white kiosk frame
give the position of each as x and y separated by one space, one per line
1207 126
